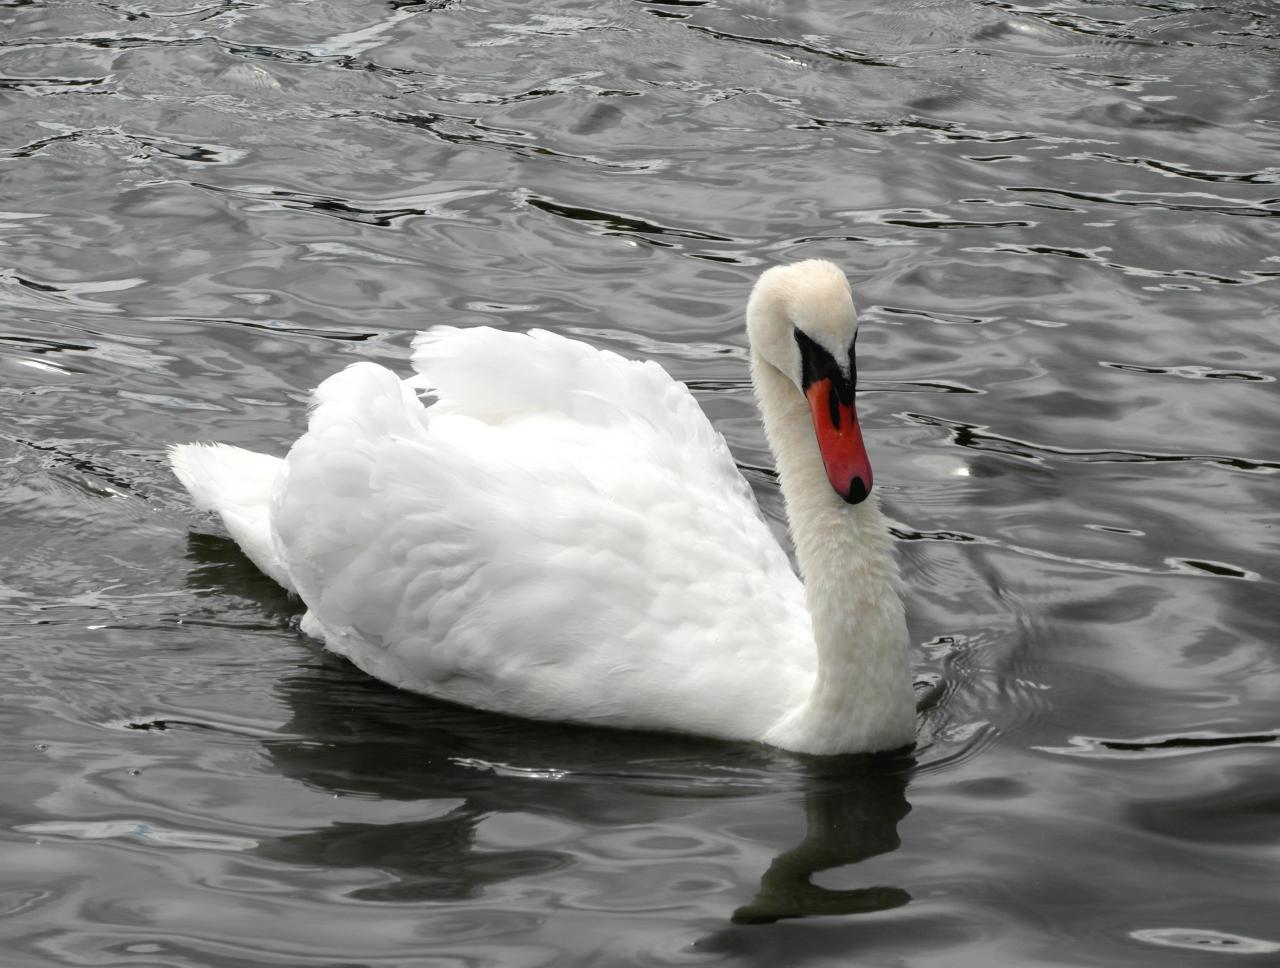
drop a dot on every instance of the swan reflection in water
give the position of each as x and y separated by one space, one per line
848 819
491 765
373 745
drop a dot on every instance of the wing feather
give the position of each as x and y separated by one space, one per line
561 532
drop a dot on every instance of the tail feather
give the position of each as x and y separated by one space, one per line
236 483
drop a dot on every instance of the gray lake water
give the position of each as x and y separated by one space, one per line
1060 220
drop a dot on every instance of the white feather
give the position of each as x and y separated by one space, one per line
561 534
237 484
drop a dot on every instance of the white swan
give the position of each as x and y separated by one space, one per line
563 535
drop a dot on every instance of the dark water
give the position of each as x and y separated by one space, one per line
1061 222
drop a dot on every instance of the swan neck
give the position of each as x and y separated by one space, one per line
862 697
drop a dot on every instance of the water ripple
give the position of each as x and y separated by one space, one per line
811 47
1193 372
1200 939
617 224
979 437
1055 216
1174 566
460 129
1169 201
54 85
1159 747
137 830
435 205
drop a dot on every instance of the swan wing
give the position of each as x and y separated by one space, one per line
561 534
498 376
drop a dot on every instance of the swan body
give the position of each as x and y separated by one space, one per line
561 534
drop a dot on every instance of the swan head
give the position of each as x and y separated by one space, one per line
800 321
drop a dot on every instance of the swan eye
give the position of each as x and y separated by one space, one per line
817 364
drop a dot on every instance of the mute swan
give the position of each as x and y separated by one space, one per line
562 534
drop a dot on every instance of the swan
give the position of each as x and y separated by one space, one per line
559 533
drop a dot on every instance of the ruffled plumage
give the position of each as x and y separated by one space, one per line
560 534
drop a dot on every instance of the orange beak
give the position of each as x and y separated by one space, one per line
840 441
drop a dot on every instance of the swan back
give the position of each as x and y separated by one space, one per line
561 534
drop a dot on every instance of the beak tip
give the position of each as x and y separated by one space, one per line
839 441
857 491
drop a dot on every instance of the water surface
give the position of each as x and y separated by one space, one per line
1060 222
